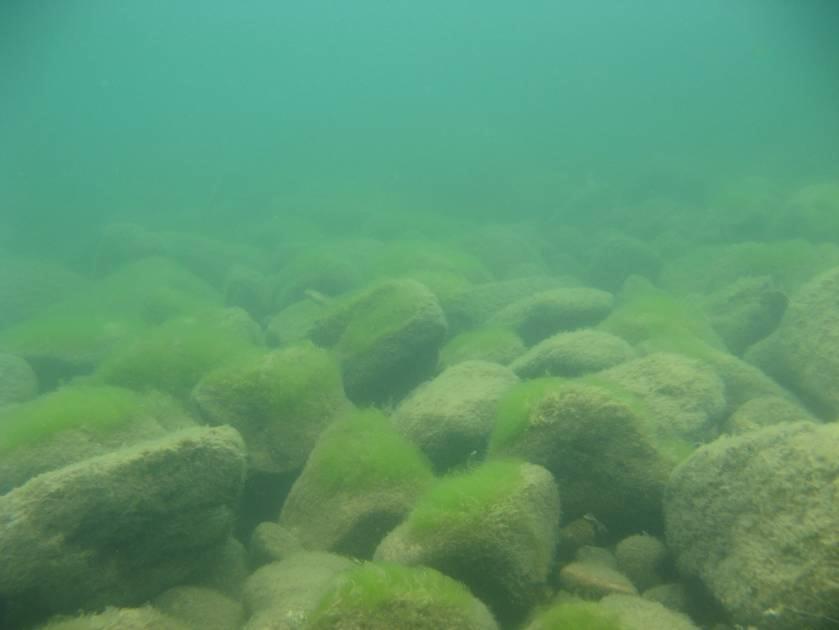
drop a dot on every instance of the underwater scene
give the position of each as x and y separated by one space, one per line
373 315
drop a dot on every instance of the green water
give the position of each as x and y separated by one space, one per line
280 189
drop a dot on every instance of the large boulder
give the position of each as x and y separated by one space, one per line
573 354
360 480
755 518
685 398
117 529
450 418
543 314
803 353
387 339
494 528
378 596
280 402
598 443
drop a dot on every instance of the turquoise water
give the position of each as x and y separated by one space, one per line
273 215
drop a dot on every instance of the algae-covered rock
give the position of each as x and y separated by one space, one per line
173 357
765 411
144 618
119 528
591 580
685 399
74 423
543 314
28 286
200 607
294 323
803 353
360 480
618 256
643 559
636 613
280 401
378 596
597 442
755 518
573 615
746 311
573 354
280 595
494 344
387 339
271 542
450 418
18 381
493 528
75 334
476 304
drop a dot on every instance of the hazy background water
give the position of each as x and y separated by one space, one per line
189 113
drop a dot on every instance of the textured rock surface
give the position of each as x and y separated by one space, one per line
120 528
451 417
803 353
573 354
756 518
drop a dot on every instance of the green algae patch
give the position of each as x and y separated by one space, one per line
512 416
489 343
172 357
362 452
575 616
280 401
97 409
461 500
644 312
383 596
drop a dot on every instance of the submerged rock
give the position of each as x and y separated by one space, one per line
756 519
389 596
450 418
494 528
18 381
803 353
119 528
387 339
573 354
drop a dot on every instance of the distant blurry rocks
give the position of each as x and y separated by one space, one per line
476 304
28 286
548 312
746 311
120 528
211 259
493 528
450 418
248 289
755 518
573 354
294 322
803 353
617 256
18 381
495 344
387 339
